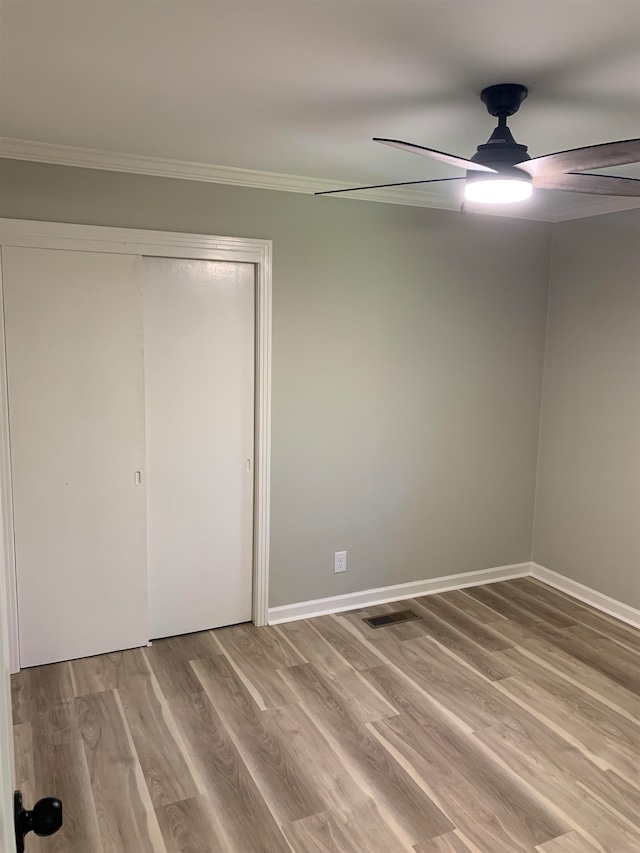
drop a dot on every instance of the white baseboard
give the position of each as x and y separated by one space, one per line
402 591
596 599
397 592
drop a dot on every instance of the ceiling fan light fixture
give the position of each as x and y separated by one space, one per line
498 190
502 172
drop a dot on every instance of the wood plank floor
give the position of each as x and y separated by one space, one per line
506 719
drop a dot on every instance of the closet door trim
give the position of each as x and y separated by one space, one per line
167 244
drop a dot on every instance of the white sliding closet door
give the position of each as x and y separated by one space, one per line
76 400
199 332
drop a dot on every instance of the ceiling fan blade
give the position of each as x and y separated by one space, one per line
451 159
383 186
596 184
579 159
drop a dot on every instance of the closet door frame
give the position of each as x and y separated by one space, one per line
163 244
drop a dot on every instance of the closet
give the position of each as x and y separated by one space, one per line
131 421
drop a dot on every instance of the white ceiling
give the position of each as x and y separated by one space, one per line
300 87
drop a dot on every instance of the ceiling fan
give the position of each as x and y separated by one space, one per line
501 171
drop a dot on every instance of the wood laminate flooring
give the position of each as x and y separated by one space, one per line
504 720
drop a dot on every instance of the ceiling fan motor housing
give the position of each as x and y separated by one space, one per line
500 155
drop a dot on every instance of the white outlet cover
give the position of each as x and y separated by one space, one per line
340 562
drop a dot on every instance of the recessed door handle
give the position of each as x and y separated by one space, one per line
138 477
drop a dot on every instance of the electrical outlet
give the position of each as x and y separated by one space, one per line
340 562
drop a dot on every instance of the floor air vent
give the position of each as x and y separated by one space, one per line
390 618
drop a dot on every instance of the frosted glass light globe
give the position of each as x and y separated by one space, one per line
498 191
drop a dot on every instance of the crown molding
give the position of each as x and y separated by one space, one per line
595 206
138 164
93 158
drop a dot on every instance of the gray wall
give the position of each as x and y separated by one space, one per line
587 519
407 368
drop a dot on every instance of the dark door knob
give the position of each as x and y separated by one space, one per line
44 819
